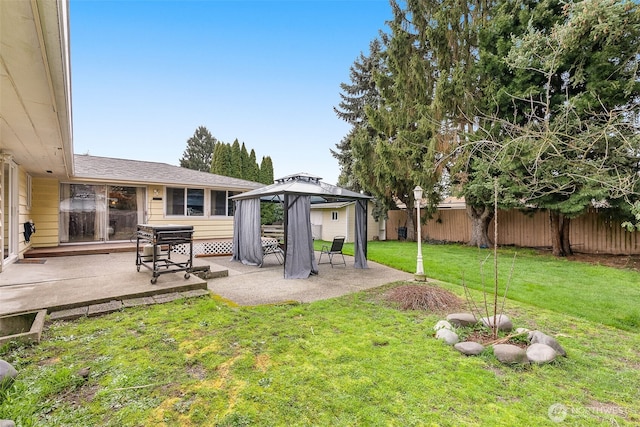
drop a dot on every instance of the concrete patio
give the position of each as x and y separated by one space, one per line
108 281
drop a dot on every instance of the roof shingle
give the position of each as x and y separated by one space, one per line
142 172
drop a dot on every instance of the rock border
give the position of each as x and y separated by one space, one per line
542 348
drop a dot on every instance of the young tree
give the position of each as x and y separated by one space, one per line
199 151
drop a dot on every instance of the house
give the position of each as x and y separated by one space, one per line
106 198
74 198
336 219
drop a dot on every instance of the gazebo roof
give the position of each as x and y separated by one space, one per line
302 184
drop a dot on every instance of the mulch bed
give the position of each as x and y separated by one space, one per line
423 297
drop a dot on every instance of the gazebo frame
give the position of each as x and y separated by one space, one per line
297 192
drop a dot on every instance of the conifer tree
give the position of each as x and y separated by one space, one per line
236 160
199 151
355 96
266 171
253 169
221 163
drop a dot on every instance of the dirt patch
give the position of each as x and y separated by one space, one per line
631 262
197 372
80 395
485 338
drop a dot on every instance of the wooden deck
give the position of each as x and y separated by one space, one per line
80 249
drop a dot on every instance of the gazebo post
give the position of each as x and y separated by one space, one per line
285 229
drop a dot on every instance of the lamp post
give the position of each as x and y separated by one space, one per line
417 194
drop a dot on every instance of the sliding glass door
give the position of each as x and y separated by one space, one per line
98 213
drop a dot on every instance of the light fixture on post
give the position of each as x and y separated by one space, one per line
417 194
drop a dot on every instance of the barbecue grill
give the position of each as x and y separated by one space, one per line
154 244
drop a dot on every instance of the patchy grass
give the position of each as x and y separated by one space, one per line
353 360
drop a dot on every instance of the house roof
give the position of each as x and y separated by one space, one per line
447 203
143 172
303 184
331 205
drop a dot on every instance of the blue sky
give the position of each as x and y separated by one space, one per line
146 74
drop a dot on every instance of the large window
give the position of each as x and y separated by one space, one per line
185 201
220 203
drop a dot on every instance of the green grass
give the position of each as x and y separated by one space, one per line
349 361
597 293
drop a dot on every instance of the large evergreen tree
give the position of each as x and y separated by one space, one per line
199 151
355 96
570 140
495 86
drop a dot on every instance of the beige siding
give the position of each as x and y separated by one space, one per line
345 225
45 211
590 233
24 214
331 228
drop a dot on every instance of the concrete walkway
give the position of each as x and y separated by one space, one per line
63 283
250 285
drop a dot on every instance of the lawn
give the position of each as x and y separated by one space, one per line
347 361
595 292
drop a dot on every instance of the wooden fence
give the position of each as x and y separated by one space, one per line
590 233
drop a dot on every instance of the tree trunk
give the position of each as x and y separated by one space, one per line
560 227
411 228
566 228
481 217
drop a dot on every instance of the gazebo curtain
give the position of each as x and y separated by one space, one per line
247 245
300 260
360 244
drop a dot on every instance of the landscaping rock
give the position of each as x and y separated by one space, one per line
541 338
443 324
504 323
540 353
509 353
462 319
522 330
448 336
7 373
470 348
7 423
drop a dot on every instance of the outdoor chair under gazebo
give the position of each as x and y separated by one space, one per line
296 192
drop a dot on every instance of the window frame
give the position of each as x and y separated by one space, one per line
208 199
228 208
185 202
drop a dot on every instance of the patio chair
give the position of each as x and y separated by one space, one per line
335 249
273 249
